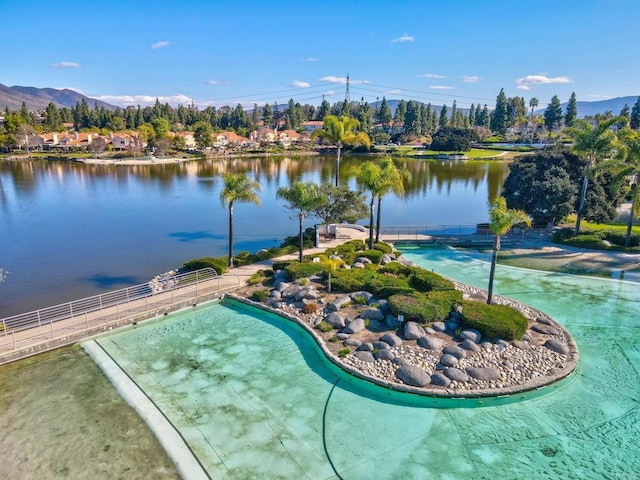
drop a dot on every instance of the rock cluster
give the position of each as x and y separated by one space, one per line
442 356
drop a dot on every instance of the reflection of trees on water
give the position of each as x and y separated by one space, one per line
272 171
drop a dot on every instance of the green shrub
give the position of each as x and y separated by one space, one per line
344 352
416 308
426 281
324 327
395 268
334 339
619 238
386 285
494 321
260 295
298 270
350 280
219 264
256 278
447 299
383 247
280 265
374 255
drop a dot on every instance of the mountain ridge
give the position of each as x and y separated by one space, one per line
38 98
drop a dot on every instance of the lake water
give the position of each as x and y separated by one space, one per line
70 230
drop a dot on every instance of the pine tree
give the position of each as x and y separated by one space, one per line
384 113
472 114
553 114
634 121
443 121
500 117
572 111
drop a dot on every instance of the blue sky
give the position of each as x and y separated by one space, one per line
225 53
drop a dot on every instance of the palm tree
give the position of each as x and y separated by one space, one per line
533 103
593 143
341 131
627 170
372 179
238 188
304 199
502 219
392 180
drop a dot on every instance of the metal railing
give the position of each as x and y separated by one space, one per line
162 291
433 230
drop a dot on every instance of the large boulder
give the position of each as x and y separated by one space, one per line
471 334
430 343
412 375
557 346
364 260
335 320
439 326
338 303
281 286
365 347
448 360
456 351
365 356
291 290
413 331
361 294
391 339
354 326
384 355
440 380
372 314
487 374
352 342
456 374
307 293
470 345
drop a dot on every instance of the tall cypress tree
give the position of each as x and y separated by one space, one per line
500 117
572 111
553 114
444 117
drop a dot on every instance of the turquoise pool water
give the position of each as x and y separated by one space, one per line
255 399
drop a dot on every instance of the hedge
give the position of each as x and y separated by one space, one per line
298 270
219 264
417 308
374 255
383 247
351 280
447 299
494 321
426 281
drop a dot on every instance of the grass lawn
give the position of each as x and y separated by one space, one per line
473 154
619 227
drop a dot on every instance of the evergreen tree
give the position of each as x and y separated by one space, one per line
572 111
472 114
553 114
52 120
401 111
625 115
443 121
24 114
454 112
267 116
255 115
413 119
634 121
325 109
500 117
384 113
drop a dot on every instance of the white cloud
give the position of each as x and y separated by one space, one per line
330 92
343 80
471 78
159 44
216 82
403 38
299 84
311 59
526 83
599 96
144 100
441 87
431 75
65 65
393 92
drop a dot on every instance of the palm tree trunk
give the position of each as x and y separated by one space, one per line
371 208
583 196
338 165
230 259
301 239
378 219
494 260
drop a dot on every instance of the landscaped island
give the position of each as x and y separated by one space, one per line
384 319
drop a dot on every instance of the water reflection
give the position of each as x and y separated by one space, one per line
62 223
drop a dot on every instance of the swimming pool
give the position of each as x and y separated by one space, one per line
254 398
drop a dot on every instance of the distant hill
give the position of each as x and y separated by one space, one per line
614 105
39 98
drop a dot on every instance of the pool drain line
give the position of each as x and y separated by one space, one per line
324 429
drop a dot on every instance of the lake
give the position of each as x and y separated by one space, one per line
70 230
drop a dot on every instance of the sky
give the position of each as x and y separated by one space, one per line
211 52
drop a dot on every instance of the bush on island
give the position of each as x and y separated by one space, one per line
383 247
417 307
297 270
494 321
219 264
374 255
260 295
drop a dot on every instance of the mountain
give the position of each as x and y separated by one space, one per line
39 98
613 105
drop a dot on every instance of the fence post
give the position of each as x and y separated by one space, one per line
39 322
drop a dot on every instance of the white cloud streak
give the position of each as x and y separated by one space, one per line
471 78
311 59
393 92
160 44
65 65
431 75
403 38
527 82
441 87
217 82
342 80
300 84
